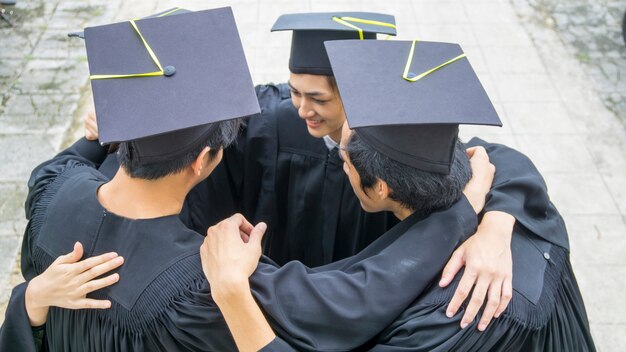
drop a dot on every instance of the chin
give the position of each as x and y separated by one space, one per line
316 133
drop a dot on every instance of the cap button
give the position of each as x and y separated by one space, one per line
169 71
546 255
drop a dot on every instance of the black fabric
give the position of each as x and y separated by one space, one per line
163 302
17 334
278 173
546 312
311 30
318 219
212 82
414 123
519 190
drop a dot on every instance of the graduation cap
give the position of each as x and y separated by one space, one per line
406 99
172 11
162 81
310 30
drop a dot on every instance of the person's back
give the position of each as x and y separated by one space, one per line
155 304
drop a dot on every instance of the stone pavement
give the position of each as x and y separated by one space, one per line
551 100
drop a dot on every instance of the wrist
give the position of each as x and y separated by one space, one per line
229 289
36 307
501 222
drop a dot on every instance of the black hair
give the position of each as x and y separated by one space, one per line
421 191
221 137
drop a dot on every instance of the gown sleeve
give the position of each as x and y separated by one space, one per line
342 305
16 334
520 190
82 153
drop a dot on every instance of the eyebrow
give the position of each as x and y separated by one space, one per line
309 94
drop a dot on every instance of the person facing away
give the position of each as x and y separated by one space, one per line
162 300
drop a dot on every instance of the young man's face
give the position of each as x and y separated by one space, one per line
318 103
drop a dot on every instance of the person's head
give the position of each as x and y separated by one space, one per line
382 183
198 158
405 102
318 103
177 118
313 88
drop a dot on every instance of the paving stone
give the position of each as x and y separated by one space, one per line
558 153
601 286
9 247
530 87
20 154
609 337
596 239
582 193
540 118
461 33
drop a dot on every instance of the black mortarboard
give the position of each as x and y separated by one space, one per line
413 122
172 11
161 82
311 30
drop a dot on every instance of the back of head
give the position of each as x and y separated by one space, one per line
220 135
159 87
421 191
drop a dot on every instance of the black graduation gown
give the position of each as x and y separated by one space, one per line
282 175
163 302
546 312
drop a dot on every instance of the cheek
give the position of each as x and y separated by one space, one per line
295 101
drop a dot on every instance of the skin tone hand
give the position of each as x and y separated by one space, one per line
91 126
486 256
230 254
67 281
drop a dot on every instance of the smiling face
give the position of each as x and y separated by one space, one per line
318 103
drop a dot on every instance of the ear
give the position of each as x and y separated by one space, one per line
201 161
382 189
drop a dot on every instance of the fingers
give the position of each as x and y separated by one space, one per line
100 269
88 303
493 303
91 262
256 235
507 294
461 293
95 285
478 297
91 126
72 257
242 223
470 151
455 264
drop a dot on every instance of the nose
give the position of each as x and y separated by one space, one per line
305 111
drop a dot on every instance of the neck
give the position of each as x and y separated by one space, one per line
335 136
401 212
143 199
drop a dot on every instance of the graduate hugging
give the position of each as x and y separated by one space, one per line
337 232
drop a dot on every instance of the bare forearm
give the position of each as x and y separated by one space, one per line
245 320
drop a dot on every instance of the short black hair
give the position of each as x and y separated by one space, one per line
421 191
220 137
